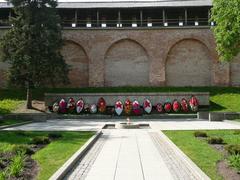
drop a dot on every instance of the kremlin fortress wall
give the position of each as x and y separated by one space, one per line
138 43
143 57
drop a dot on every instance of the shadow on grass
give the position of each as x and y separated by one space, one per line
4 111
14 137
216 107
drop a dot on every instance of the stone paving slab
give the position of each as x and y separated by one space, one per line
61 125
141 154
127 155
81 169
192 125
94 125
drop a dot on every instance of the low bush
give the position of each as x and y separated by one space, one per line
215 140
237 132
3 175
234 161
200 134
20 133
40 140
54 135
22 149
16 167
233 149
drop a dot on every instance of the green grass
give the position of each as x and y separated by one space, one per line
221 98
10 122
199 151
238 120
234 161
8 105
53 155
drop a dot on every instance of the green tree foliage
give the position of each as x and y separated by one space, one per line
32 46
226 14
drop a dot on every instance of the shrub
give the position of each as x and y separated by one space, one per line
233 149
234 161
237 132
215 140
40 140
54 135
16 167
22 149
20 133
3 175
200 134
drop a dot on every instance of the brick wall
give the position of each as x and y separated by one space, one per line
155 57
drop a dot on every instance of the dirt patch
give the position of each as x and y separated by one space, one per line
227 172
220 148
31 169
223 168
38 107
36 148
5 160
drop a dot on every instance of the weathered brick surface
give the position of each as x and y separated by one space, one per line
125 66
155 57
235 71
188 63
78 61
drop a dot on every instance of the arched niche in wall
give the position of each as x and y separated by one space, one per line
235 71
188 64
126 64
76 57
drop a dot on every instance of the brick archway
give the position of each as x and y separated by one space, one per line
188 63
126 64
76 57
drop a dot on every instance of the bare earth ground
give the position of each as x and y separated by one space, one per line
30 169
227 172
38 107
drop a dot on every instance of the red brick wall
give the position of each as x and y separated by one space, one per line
173 56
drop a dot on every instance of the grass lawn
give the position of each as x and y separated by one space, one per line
10 122
51 157
221 98
199 151
8 105
238 120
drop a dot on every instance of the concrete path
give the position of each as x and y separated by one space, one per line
134 155
61 125
93 125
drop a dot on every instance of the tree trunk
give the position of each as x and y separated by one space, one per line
29 98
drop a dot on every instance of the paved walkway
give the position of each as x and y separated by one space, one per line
134 155
93 125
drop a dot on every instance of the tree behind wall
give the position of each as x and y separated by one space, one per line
226 14
32 46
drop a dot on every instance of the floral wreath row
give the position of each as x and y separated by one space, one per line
127 108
